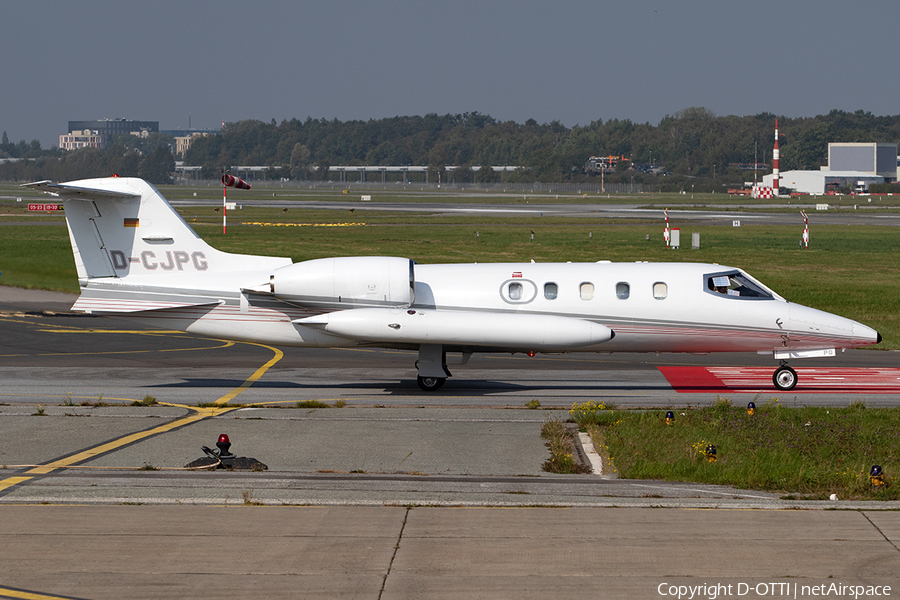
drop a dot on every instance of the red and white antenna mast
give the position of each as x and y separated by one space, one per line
775 154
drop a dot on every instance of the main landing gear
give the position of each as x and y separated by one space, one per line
785 378
432 366
430 384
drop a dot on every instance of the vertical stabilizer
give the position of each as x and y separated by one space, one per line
123 227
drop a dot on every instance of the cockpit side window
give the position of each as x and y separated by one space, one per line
735 284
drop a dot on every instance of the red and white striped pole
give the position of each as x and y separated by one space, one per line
805 238
775 154
666 231
224 206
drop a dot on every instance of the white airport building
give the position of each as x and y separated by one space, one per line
822 182
850 165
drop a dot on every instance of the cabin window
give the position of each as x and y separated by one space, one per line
623 290
736 284
551 290
586 290
518 291
660 290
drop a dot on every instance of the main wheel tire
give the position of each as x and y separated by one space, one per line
430 384
785 378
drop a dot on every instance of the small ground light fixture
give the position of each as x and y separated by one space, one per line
223 444
711 453
876 476
670 417
751 408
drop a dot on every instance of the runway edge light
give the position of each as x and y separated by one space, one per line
223 444
222 458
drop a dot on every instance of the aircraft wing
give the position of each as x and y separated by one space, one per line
68 191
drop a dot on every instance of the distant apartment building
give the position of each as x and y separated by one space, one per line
183 142
81 138
96 134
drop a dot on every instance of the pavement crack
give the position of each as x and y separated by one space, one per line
878 529
394 555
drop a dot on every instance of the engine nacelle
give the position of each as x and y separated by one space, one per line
359 281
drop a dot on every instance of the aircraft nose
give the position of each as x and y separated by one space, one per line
865 335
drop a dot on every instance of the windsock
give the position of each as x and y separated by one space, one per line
235 182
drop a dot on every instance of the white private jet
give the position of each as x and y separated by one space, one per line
137 258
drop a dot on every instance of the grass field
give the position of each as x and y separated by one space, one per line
809 452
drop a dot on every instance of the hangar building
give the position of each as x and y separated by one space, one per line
822 182
852 165
871 158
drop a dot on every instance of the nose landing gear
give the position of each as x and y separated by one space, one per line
785 378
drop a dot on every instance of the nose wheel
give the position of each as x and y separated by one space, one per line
785 378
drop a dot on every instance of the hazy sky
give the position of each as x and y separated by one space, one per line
576 61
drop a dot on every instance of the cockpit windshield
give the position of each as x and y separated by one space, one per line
737 284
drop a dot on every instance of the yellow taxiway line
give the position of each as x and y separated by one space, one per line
199 414
14 593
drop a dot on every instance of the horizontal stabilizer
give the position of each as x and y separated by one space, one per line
94 306
74 192
98 298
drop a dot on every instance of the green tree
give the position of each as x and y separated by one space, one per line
158 166
299 160
809 149
486 174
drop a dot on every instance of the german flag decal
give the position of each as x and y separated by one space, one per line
131 222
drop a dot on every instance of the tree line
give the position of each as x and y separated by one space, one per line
694 147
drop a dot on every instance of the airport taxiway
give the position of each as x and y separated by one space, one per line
397 552
383 498
537 206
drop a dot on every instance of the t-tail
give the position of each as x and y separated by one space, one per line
133 251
